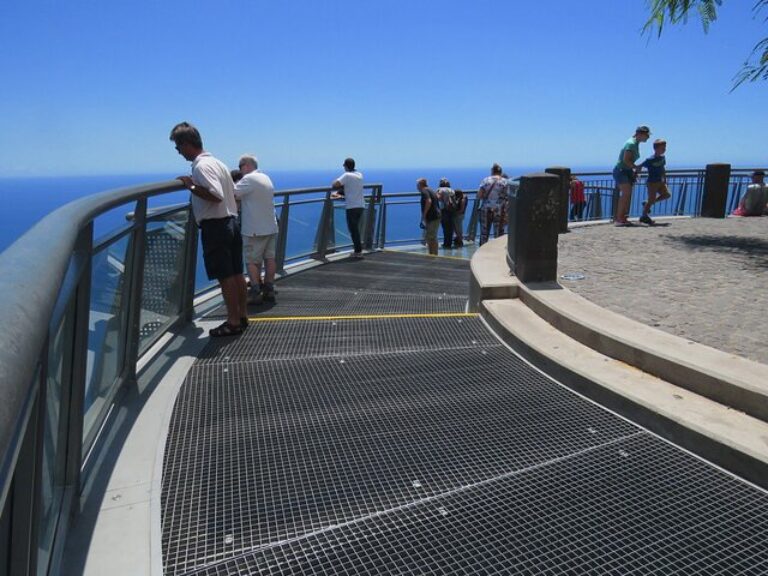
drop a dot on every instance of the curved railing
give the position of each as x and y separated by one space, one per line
77 311
685 186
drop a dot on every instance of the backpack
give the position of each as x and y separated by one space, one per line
451 202
434 209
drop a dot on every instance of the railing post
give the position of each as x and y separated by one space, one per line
473 217
79 373
135 287
534 217
370 217
680 208
190 267
716 180
381 226
23 495
565 186
735 196
282 235
323 227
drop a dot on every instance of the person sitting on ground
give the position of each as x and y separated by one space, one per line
446 197
657 179
430 214
259 227
755 199
578 200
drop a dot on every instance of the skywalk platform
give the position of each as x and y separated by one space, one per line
368 424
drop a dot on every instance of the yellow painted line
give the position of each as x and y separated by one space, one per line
362 317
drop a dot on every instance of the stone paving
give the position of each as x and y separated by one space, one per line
702 279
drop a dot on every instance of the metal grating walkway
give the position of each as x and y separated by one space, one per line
420 445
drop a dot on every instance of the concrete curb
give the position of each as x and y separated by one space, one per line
727 385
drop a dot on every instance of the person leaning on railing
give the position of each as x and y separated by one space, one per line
625 172
215 211
350 187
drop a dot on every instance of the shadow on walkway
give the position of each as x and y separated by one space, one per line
752 249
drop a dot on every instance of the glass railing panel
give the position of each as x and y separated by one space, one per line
54 448
106 330
403 217
302 228
113 222
163 274
341 239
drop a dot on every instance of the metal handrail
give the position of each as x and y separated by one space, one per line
27 301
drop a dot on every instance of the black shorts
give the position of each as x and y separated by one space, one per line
222 247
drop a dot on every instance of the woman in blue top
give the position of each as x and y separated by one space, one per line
624 172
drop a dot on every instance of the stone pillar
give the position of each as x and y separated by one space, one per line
716 180
534 223
565 192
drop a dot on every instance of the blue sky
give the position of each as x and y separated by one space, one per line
93 87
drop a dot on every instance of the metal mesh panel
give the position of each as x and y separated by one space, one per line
618 509
423 446
344 338
384 282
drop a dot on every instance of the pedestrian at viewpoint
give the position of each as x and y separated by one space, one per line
430 214
657 179
458 218
446 198
215 210
259 227
492 195
755 199
625 173
578 199
350 187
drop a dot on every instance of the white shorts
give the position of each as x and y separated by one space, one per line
259 248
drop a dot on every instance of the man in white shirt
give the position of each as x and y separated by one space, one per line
215 210
350 187
257 203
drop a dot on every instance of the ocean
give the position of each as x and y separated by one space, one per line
27 200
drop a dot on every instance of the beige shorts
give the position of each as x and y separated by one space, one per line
432 227
259 248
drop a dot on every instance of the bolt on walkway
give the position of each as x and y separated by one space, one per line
366 425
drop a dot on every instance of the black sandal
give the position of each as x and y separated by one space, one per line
226 329
243 322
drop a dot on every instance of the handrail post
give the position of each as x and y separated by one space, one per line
381 229
282 235
135 287
190 267
370 216
473 217
322 227
79 367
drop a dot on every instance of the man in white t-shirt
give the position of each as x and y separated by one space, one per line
215 211
259 227
350 187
